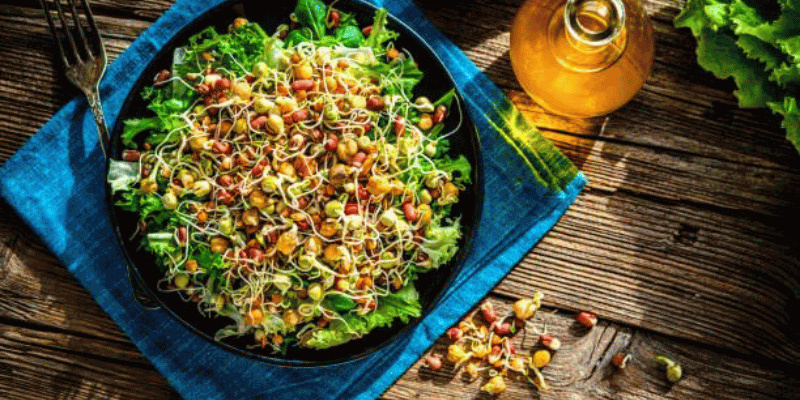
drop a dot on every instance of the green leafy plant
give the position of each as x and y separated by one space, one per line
757 43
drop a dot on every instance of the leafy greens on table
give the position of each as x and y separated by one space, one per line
757 43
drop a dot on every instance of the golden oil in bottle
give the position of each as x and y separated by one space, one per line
582 58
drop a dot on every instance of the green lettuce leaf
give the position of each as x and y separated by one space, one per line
122 174
380 33
338 302
791 119
755 43
399 77
693 16
757 49
717 14
459 168
349 36
718 53
160 243
311 14
297 36
786 75
402 306
134 126
441 243
208 260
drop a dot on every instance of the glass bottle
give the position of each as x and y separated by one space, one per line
582 58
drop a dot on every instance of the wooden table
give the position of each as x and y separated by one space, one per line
685 241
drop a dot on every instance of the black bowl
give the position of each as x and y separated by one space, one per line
437 81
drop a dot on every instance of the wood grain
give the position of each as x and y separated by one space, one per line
582 369
36 366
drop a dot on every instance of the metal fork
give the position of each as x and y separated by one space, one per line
85 62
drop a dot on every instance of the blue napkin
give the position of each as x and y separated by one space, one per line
56 184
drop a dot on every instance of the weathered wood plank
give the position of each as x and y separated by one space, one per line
582 370
34 366
678 270
36 289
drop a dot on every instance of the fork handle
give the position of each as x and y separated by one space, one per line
93 96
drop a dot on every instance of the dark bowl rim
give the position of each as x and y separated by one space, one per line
457 264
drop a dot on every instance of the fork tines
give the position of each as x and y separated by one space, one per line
89 45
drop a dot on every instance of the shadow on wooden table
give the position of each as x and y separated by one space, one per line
49 340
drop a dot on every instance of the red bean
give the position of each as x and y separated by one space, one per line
258 122
202 88
502 329
410 211
161 77
224 197
399 126
300 115
358 159
225 180
351 208
332 142
131 155
333 19
303 84
221 147
439 114
257 171
303 225
586 319
302 203
255 254
222 84
375 103
433 362
183 236
488 312
454 334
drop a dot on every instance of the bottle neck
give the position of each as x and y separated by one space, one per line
590 34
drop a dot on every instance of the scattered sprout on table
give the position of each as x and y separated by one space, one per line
483 343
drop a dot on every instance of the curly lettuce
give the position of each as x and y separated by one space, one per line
756 45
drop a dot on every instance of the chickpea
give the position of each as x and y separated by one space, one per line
378 185
219 245
425 122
